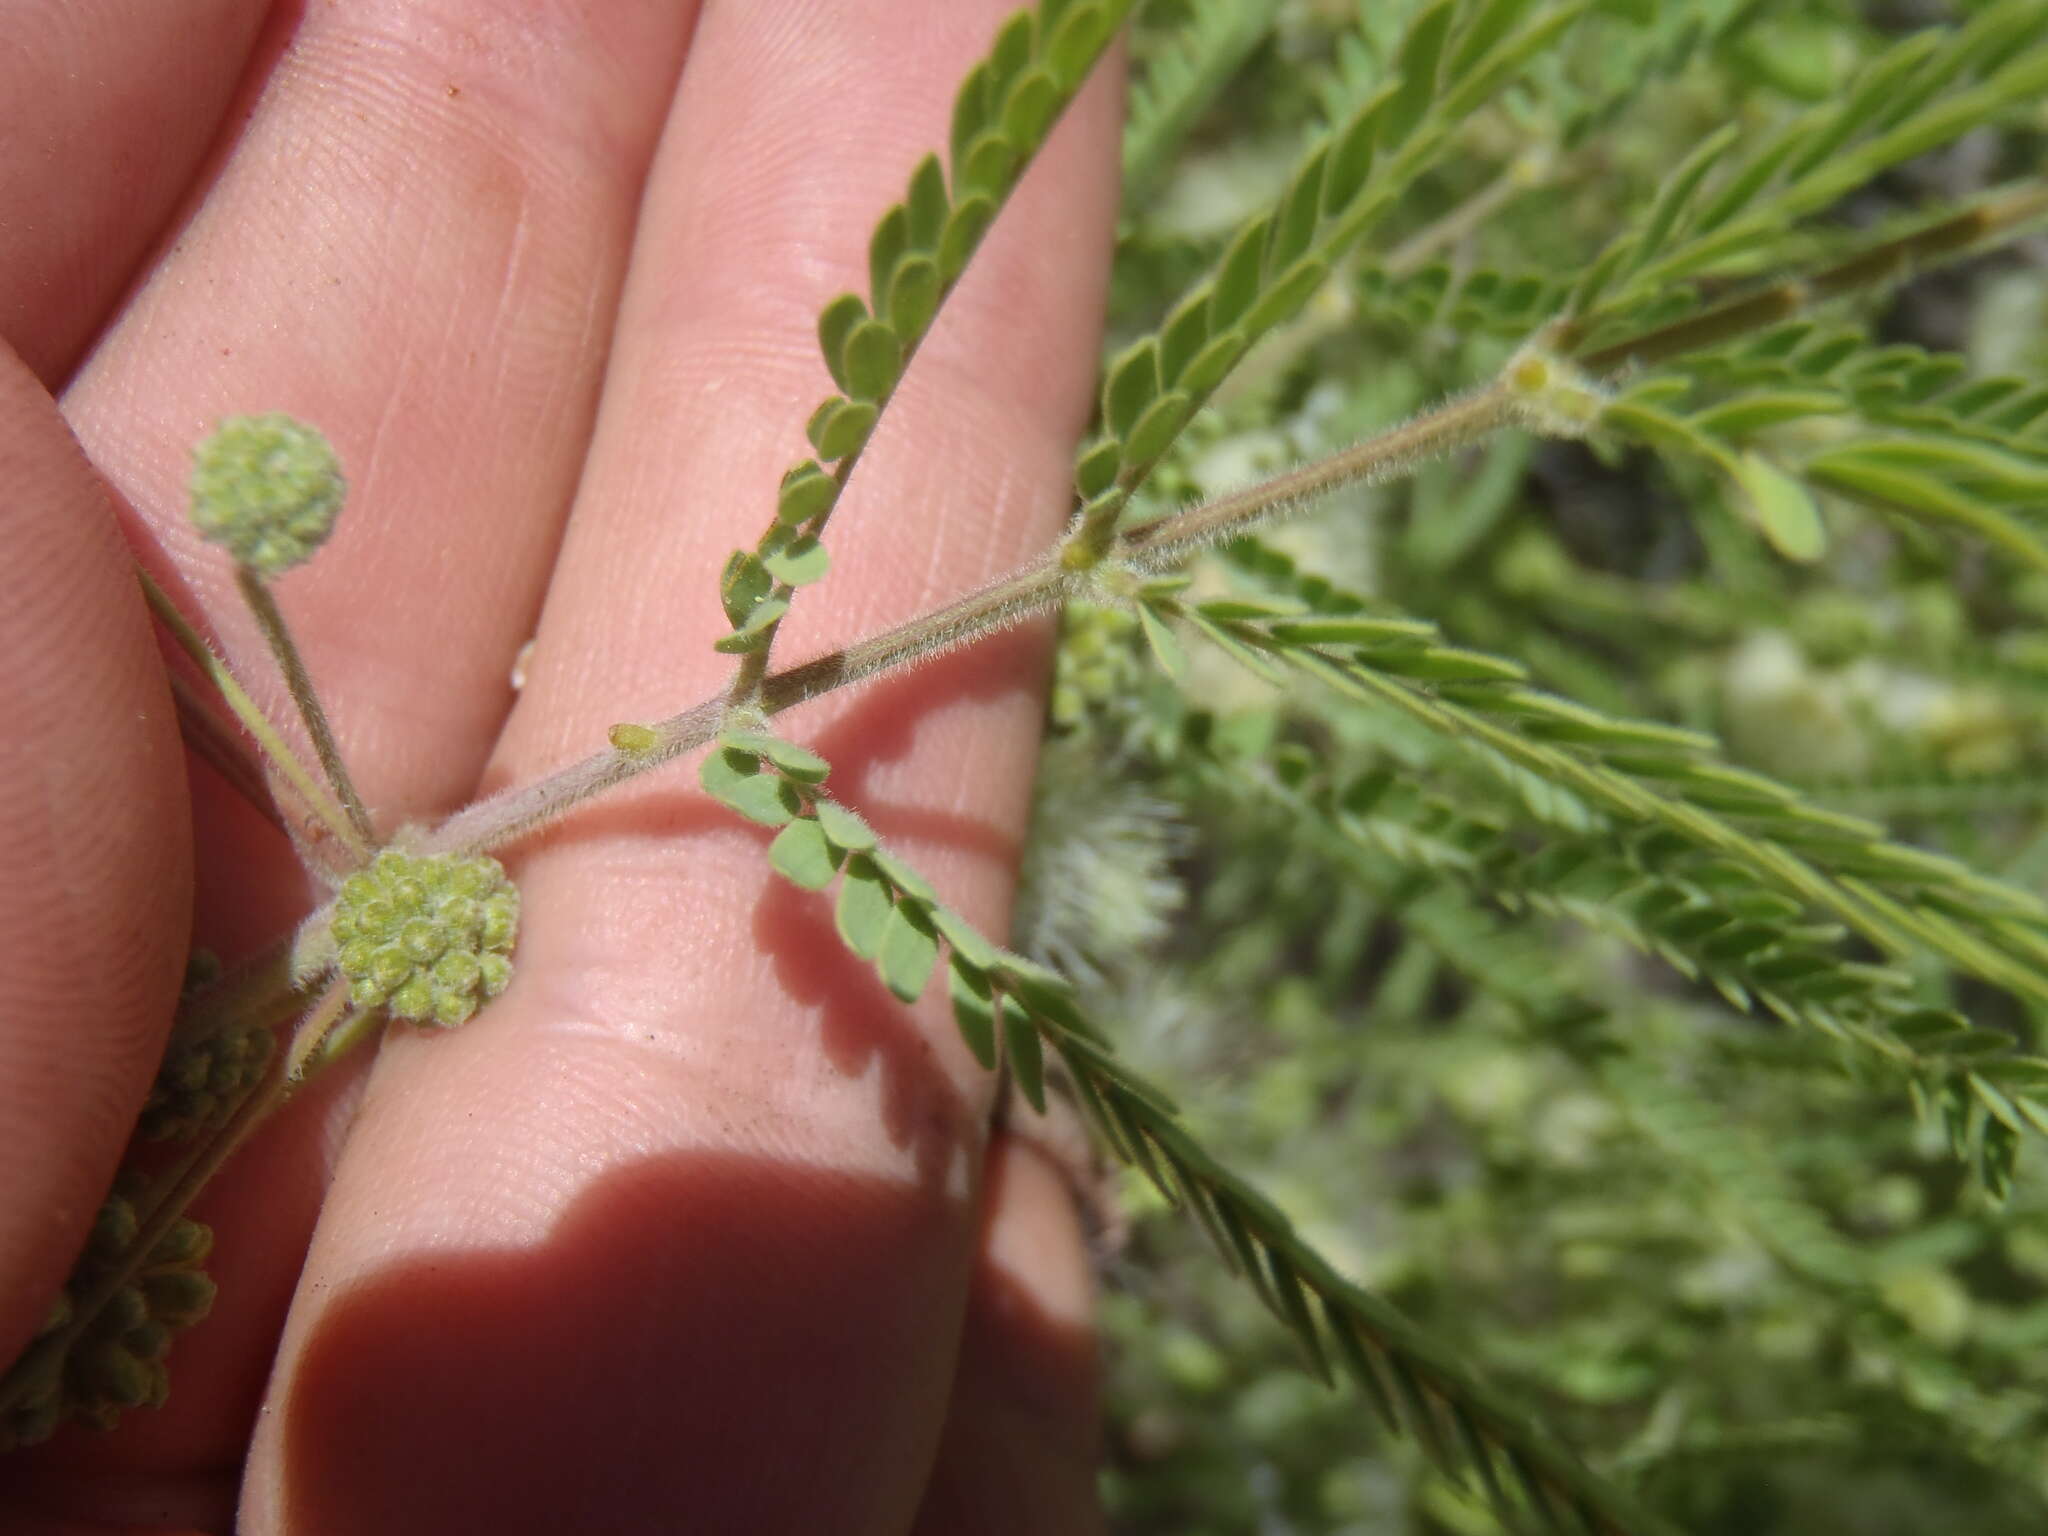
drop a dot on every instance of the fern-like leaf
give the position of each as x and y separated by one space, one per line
1454 57
1651 776
1008 1008
1004 111
1726 211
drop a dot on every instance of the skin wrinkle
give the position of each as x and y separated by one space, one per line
62 270
504 61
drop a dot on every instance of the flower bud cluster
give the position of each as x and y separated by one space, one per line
198 1078
268 488
426 937
117 1361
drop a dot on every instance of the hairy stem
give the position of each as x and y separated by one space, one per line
278 636
319 804
1157 546
313 1031
504 817
510 814
1038 587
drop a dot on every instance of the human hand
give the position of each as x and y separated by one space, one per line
695 1227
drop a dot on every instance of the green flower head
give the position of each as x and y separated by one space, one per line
426 938
268 487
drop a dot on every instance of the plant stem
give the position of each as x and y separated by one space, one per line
214 740
1509 400
498 819
319 804
510 814
492 823
1036 588
278 636
1467 419
313 1031
1884 261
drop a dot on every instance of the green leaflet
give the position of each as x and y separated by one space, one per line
964 940
841 427
844 828
801 562
807 492
873 360
837 323
737 779
865 907
801 853
919 247
789 759
908 950
1783 509
745 584
974 1011
1025 1055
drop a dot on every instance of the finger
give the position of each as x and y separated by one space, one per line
94 909
691 1099
1020 1446
106 108
415 243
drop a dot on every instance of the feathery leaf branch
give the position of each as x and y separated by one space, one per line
1011 1010
1005 110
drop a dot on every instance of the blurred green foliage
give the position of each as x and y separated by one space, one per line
1720 1258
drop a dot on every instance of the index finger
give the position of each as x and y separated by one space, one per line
685 1221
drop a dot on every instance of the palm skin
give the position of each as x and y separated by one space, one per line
695 1228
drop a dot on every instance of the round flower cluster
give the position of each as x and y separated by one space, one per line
268 487
426 937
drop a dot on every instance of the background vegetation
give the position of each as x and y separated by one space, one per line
1473 1036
